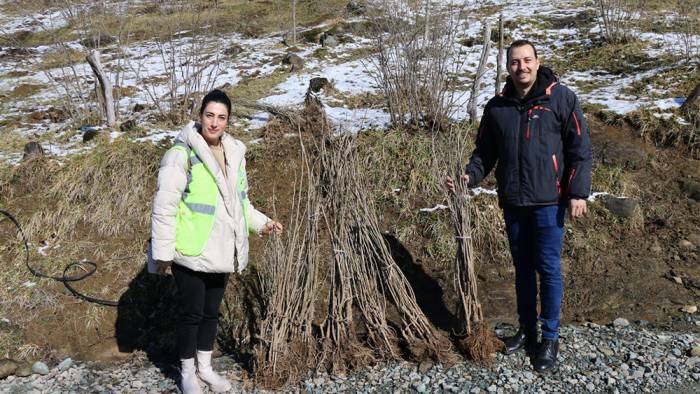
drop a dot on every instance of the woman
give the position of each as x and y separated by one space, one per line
201 220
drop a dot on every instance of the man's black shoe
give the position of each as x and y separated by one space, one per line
546 358
524 338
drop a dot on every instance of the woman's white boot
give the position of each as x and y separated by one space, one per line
216 382
189 382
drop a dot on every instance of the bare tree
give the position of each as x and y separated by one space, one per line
294 22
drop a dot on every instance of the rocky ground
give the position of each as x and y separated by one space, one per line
621 357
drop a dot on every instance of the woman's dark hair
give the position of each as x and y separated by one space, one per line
215 96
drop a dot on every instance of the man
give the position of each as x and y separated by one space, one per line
535 134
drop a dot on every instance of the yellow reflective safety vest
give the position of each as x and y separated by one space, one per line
197 208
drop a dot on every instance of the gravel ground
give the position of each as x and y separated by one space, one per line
619 358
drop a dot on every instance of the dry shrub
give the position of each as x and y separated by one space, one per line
29 177
310 119
617 19
108 189
416 52
667 131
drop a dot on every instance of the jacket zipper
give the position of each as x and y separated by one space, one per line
529 118
556 172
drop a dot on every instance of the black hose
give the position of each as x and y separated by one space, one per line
65 279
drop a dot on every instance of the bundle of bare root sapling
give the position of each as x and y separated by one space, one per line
376 280
476 337
354 284
289 279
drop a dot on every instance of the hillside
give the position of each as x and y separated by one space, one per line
82 190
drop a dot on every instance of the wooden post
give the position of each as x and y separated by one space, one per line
427 22
294 22
499 60
108 101
471 106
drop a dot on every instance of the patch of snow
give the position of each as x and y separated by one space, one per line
42 249
433 209
354 120
480 190
29 284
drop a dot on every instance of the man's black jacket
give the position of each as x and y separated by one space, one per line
540 145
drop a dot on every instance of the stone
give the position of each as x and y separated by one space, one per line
318 83
692 361
685 244
65 364
421 388
40 368
619 206
234 50
689 309
621 322
328 40
128 125
425 366
355 7
90 134
606 351
694 351
691 188
24 369
7 367
32 149
677 279
294 60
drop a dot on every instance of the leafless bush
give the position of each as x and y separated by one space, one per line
616 20
188 62
415 57
688 14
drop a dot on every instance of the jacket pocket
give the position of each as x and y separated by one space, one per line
545 182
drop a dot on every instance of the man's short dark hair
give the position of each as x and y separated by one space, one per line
520 43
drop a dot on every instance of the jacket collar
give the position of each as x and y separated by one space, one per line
190 135
546 80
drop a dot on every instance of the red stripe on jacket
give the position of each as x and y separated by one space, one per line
578 125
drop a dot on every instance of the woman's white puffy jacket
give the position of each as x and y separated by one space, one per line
227 247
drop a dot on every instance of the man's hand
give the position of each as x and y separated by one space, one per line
272 226
451 184
162 267
577 208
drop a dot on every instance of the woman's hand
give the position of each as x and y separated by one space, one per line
272 226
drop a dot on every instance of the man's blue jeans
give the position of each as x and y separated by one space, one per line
536 235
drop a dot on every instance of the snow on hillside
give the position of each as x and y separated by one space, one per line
148 65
